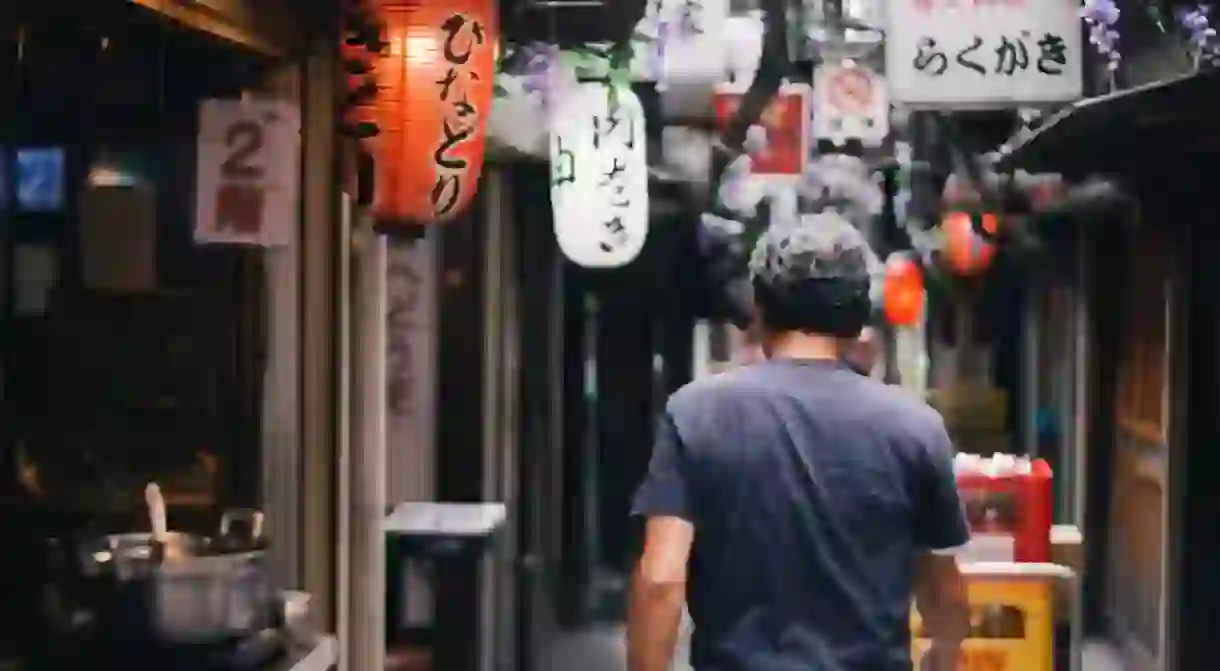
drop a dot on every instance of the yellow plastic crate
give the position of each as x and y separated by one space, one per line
1012 619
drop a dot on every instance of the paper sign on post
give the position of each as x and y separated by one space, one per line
248 172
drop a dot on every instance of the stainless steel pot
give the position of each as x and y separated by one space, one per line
178 588
207 598
134 555
199 598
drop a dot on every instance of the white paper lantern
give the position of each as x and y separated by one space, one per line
599 175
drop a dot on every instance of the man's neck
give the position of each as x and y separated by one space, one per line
796 345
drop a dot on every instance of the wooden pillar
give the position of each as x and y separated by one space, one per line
626 321
680 246
366 632
540 503
460 468
319 409
576 558
1195 590
1107 308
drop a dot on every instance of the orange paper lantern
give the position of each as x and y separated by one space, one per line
435 92
903 297
966 251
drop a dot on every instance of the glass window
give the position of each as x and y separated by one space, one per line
40 179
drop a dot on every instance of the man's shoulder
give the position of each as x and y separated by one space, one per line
900 416
857 396
712 388
902 406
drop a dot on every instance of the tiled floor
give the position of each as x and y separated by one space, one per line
601 648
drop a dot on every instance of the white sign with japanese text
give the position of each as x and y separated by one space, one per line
850 101
599 175
680 41
247 186
983 53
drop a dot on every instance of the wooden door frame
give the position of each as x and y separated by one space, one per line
1103 359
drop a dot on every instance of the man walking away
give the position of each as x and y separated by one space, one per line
795 505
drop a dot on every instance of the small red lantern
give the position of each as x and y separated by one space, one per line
902 299
435 83
965 251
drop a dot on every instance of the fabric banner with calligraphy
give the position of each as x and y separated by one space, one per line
247 187
983 53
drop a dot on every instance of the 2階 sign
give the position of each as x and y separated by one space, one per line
247 172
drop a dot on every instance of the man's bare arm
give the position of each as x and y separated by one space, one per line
940 595
658 593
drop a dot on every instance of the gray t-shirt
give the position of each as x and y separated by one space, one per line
811 488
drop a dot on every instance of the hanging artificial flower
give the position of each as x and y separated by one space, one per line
648 42
1201 34
541 61
539 68
1101 16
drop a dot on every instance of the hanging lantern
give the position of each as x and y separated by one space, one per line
599 175
965 251
903 291
434 95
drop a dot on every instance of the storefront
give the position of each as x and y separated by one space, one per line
135 348
1136 287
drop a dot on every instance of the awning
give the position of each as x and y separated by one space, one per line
268 27
1128 132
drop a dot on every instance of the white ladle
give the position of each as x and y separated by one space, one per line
156 512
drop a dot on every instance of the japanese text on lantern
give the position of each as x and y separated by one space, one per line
613 141
1002 56
462 36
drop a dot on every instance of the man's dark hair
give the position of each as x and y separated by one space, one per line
812 277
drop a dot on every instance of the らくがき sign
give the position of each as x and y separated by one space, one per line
247 182
435 83
983 53
599 175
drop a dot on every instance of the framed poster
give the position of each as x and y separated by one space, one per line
784 126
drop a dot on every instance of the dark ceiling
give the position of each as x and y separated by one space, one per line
570 22
115 65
